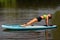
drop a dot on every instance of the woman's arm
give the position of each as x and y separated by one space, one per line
47 19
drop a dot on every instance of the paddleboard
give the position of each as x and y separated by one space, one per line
19 27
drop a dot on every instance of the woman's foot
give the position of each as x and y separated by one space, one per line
24 25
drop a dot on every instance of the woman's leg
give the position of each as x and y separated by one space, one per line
31 22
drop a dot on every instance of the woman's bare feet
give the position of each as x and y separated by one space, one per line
24 25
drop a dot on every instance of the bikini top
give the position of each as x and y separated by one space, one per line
45 15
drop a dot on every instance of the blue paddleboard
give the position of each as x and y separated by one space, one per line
18 27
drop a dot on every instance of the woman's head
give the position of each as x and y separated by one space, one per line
50 15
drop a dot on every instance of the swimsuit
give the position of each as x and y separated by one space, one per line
39 18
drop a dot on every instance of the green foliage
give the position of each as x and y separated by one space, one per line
8 3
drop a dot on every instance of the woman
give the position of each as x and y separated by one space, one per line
38 19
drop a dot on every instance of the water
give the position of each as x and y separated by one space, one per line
20 17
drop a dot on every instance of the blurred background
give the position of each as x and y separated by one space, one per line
21 11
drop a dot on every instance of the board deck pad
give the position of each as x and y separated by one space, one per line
19 27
